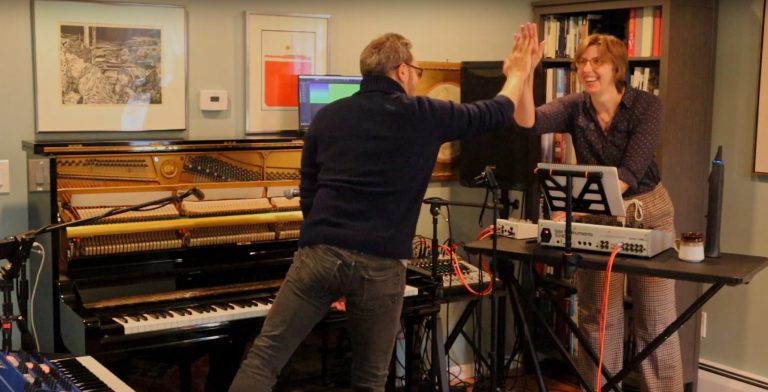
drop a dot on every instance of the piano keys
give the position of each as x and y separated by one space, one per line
20 371
176 317
87 374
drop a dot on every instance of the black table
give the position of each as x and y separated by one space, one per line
729 269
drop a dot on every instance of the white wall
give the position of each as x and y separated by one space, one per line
451 30
737 316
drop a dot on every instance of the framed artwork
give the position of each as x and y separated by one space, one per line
278 49
761 137
109 66
442 80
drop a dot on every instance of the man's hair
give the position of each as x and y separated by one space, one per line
611 49
384 54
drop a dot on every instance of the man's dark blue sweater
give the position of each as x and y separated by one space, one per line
367 162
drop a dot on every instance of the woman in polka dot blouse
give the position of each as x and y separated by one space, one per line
612 124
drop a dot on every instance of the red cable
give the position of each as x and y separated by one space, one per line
603 316
487 232
457 271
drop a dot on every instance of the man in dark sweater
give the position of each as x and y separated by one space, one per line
366 164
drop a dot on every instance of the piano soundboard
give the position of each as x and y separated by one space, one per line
32 372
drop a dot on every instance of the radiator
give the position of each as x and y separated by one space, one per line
715 377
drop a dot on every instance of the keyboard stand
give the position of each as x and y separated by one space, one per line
729 269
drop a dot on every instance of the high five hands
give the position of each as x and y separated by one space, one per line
526 52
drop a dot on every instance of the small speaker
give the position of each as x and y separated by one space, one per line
514 155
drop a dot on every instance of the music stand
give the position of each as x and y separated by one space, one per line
587 189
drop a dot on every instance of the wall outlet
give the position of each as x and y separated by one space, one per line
703 325
5 177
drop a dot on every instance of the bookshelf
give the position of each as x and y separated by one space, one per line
679 59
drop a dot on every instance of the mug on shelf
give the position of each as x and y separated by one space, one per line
690 246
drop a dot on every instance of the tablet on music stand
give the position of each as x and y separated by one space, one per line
579 188
594 189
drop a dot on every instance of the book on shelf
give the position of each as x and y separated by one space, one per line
638 32
646 49
563 34
551 31
557 147
644 32
646 79
562 38
561 82
656 46
631 29
653 81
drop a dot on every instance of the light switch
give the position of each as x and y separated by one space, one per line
5 178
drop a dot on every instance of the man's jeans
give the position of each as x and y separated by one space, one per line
320 274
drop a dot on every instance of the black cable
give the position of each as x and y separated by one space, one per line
151 208
450 228
482 210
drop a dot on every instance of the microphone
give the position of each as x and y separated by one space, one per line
488 177
194 191
290 193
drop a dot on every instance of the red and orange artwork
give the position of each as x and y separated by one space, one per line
285 55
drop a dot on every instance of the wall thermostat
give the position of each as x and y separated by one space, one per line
213 100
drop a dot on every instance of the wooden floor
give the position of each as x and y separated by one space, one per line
146 376
529 384
523 384
301 374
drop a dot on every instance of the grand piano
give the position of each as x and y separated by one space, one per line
184 274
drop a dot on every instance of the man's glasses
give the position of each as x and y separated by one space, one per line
419 70
594 62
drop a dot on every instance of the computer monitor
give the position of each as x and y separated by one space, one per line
316 91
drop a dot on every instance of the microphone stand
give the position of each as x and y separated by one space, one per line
488 177
439 367
16 250
493 186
